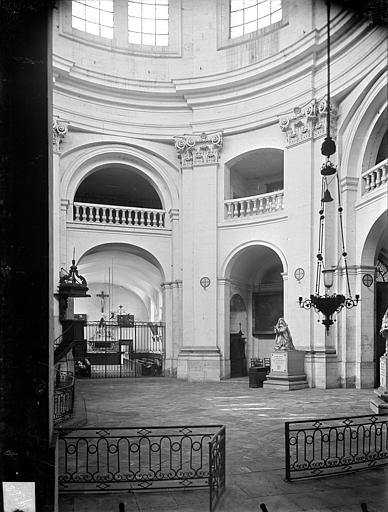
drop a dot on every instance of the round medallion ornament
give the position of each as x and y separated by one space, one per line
367 280
204 282
299 274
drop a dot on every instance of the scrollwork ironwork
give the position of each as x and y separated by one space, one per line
335 445
143 458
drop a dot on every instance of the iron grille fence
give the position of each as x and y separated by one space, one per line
63 396
330 446
140 459
114 350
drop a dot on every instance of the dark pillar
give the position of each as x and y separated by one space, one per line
25 287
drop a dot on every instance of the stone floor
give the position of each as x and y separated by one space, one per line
254 420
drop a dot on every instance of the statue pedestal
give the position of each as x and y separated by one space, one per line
379 404
287 371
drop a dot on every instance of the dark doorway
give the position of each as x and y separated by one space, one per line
238 361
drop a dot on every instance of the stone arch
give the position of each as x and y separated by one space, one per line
376 238
133 272
98 156
365 128
254 172
249 270
233 255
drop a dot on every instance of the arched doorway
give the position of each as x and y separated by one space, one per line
374 299
124 335
381 294
255 274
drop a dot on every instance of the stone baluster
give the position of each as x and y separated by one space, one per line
378 176
141 218
248 208
384 168
254 209
367 183
261 206
229 210
373 181
103 215
76 212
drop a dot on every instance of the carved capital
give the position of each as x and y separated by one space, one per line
200 149
308 122
60 129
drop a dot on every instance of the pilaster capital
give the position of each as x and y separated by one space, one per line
203 149
223 281
308 122
284 276
349 184
60 129
171 284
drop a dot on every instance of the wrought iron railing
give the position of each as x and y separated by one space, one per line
147 458
63 396
330 446
216 468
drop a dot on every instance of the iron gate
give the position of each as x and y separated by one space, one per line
113 350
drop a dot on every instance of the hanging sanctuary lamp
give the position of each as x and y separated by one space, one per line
328 304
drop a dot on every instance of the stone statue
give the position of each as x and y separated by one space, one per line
283 339
384 330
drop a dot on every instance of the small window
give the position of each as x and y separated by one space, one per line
148 22
93 16
248 16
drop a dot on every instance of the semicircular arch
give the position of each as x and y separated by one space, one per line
95 157
126 248
234 254
364 129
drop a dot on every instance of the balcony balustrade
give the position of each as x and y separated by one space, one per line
375 177
254 205
103 214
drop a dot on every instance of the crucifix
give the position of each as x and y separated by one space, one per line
103 296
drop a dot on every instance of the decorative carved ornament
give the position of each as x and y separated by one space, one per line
308 122
200 149
60 129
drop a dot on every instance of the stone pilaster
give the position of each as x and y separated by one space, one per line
199 357
172 298
60 129
304 128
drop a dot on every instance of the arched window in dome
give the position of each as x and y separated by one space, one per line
248 16
93 16
148 22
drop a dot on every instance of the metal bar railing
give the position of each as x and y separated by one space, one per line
63 401
125 351
330 446
216 468
142 458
